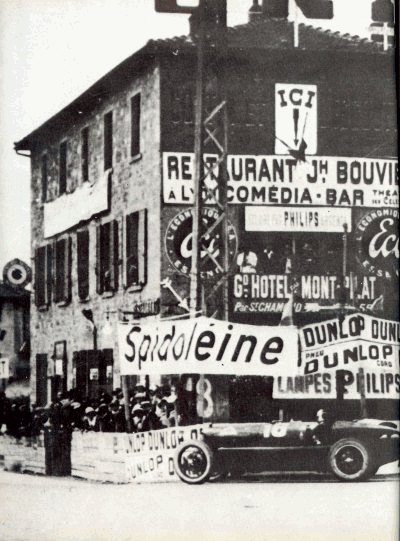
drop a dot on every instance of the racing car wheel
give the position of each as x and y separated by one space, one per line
350 460
193 462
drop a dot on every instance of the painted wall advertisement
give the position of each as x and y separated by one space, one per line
359 341
255 293
282 180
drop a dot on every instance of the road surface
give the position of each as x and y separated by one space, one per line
36 508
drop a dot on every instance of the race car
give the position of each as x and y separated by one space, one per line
350 450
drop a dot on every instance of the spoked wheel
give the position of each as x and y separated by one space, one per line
350 460
193 462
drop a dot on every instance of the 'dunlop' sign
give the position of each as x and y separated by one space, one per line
206 346
359 341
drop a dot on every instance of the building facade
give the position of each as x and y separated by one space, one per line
313 197
14 329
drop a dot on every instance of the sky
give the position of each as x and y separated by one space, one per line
53 50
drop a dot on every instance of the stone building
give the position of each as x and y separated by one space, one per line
312 148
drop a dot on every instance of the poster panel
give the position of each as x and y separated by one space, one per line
359 341
206 346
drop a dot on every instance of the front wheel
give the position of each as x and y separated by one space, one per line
193 462
350 460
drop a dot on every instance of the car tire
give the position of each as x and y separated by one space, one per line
350 460
193 462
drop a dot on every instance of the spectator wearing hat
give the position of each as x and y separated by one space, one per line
104 417
163 411
181 405
139 418
76 415
116 409
90 421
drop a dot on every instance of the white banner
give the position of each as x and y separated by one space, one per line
297 219
281 180
206 346
70 209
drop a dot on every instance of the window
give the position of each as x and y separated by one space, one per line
62 289
98 363
43 275
63 169
135 125
82 241
136 248
44 178
107 257
108 141
85 154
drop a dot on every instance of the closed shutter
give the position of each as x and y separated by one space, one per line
82 248
136 248
142 247
40 276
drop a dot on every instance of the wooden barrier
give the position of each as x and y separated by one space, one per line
144 457
25 454
99 456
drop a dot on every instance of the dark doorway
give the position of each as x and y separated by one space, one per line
41 379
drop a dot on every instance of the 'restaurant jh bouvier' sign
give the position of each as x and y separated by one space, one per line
282 180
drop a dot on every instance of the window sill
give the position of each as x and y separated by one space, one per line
83 301
136 158
107 294
134 288
42 308
61 304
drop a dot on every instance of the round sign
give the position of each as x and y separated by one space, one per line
17 273
377 237
178 243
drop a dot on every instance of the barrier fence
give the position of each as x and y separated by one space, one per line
143 457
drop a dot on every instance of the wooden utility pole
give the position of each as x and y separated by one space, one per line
195 276
211 129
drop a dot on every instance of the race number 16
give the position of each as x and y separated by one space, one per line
276 430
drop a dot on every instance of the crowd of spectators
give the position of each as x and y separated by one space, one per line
149 409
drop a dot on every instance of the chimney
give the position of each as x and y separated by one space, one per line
275 9
255 12
214 15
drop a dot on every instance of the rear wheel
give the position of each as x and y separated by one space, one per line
193 462
350 460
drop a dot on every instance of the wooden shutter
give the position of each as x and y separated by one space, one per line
62 273
108 141
142 247
113 256
132 234
99 273
40 276
107 257
48 274
135 125
82 248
